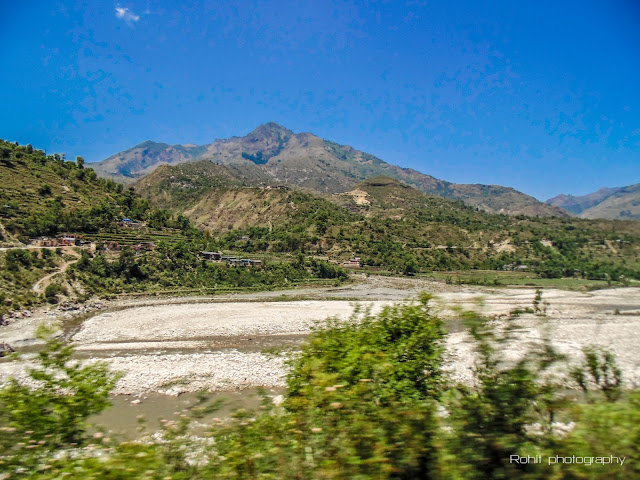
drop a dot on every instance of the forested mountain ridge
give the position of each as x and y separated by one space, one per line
276 155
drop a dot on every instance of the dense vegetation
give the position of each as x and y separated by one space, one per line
169 268
19 270
395 227
46 195
174 266
367 399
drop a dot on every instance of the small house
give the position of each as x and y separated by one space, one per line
67 240
112 247
144 246
215 256
127 222
45 242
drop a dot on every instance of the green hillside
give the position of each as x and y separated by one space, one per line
217 198
391 225
45 195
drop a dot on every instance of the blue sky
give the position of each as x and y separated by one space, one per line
541 96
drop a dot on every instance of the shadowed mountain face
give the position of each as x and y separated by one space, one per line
609 203
274 154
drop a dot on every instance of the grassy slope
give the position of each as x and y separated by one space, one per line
45 195
214 198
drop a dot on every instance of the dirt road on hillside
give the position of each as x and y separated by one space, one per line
40 286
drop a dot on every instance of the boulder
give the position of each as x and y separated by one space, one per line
5 349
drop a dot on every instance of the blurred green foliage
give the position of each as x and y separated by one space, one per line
51 411
367 398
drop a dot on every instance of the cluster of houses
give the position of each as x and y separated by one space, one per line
353 262
277 187
514 267
138 247
230 260
61 241
67 240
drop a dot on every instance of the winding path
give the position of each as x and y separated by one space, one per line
39 287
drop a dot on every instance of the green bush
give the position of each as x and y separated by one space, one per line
53 413
489 420
602 429
51 292
361 404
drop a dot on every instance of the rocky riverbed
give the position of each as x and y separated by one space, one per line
176 345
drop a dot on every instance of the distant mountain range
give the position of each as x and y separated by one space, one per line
274 155
610 203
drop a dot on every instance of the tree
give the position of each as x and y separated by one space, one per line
51 292
5 154
410 267
80 162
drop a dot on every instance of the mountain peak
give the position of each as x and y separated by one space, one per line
270 130
150 143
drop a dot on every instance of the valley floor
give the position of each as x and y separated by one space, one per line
176 345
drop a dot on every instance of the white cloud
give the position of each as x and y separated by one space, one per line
127 15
